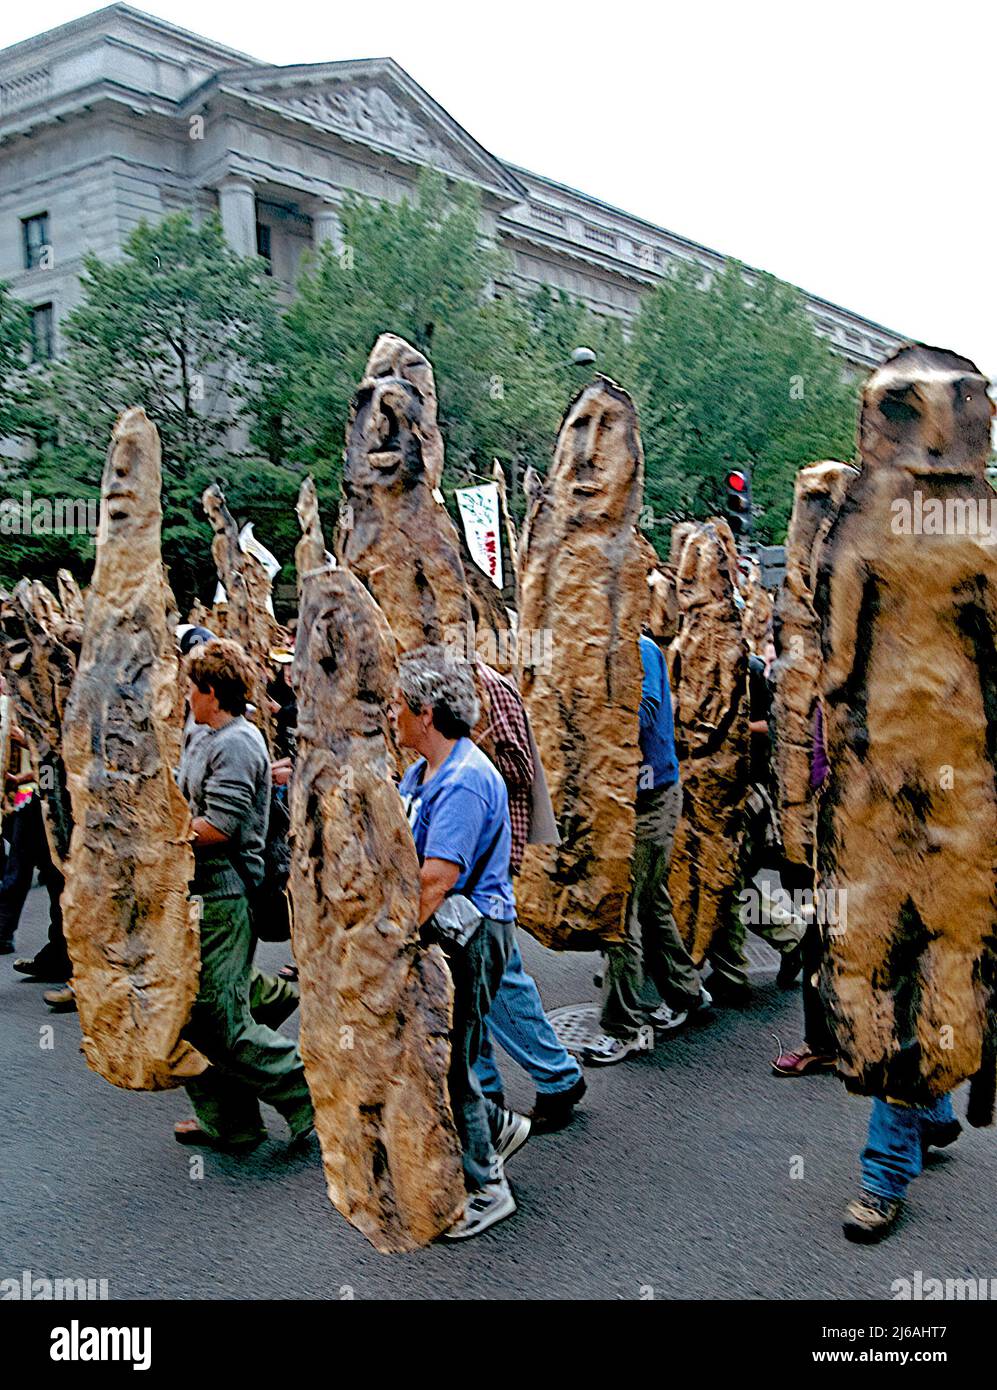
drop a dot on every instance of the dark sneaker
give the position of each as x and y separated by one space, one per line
603 1051
491 1203
727 994
939 1136
513 1134
553 1111
790 967
38 968
192 1134
6 947
869 1217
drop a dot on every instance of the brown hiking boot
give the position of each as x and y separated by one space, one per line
61 1000
869 1217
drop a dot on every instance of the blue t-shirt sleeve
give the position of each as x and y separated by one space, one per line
459 815
652 693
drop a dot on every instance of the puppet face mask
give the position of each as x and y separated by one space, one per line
131 478
384 447
597 457
927 412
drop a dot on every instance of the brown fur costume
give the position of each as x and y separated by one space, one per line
709 666
584 581
908 817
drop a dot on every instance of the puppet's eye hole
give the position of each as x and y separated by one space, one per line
896 407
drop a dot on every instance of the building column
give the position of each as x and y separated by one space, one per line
326 226
237 205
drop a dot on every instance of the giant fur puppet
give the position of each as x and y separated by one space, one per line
796 672
584 582
131 929
709 667
907 596
376 1005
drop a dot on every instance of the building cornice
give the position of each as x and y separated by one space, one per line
96 24
706 254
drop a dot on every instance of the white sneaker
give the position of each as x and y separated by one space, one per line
492 1203
603 1051
667 1020
513 1133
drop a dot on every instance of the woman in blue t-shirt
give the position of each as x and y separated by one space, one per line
458 809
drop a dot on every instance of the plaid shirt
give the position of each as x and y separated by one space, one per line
507 743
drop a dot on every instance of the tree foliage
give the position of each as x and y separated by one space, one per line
729 372
183 327
733 372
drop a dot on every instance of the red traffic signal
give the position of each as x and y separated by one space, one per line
738 503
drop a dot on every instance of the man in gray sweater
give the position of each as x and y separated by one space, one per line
225 776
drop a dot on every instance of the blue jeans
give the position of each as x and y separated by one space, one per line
892 1154
517 1022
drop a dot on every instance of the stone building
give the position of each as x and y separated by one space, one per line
120 116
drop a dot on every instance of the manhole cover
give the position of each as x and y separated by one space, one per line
575 1025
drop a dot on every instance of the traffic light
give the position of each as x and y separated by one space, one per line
738 504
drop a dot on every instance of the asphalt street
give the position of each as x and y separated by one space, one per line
689 1173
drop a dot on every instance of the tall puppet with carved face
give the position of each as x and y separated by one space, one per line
709 669
584 598
907 830
131 929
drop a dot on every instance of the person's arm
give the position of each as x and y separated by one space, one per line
451 840
436 878
206 834
227 798
507 731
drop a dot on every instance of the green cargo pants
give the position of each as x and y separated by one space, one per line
249 1062
653 945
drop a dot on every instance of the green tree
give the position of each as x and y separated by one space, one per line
729 373
16 416
420 268
185 328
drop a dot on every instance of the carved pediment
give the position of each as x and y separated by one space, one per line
375 101
372 112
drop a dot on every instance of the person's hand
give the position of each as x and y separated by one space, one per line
280 772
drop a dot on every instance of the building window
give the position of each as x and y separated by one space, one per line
542 214
263 245
599 236
42 333
36 242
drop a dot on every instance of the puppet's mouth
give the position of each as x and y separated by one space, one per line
384 459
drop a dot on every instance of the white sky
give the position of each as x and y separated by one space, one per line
847 147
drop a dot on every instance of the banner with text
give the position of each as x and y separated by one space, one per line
479 511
